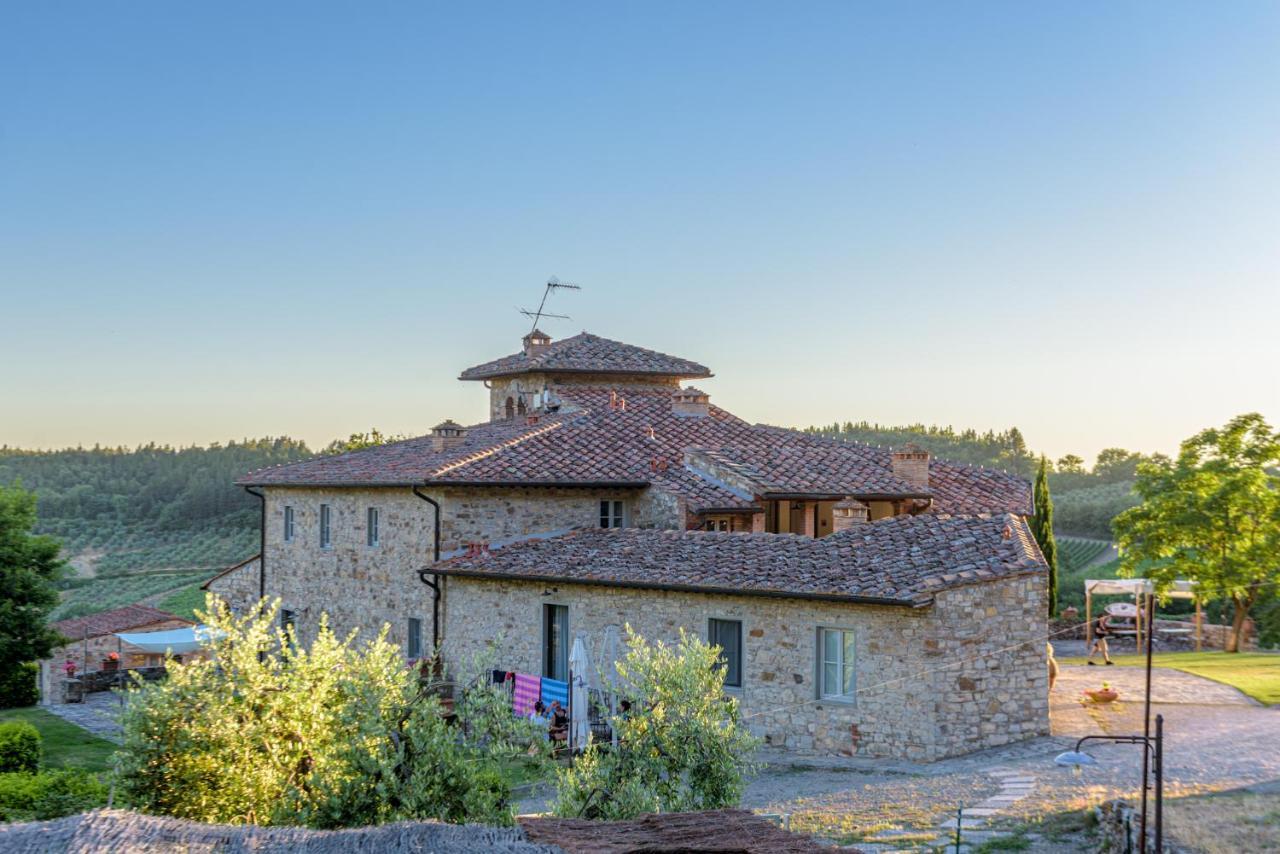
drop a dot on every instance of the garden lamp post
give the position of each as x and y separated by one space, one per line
1077 760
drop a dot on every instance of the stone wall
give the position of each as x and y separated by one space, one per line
528 386
363 587
900 709
993 685
238 586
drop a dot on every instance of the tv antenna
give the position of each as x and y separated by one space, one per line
553 284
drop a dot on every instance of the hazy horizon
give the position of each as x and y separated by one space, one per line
241 220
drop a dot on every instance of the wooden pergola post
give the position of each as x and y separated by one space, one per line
1088 618
1137 623
1199 622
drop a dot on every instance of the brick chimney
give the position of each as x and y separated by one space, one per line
535 342
690 403
911 464
447 435
847 514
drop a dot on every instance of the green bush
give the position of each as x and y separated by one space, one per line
19 686
682 748
20 747
326 735
51 794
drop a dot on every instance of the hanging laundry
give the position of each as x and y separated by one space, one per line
526 694
554 689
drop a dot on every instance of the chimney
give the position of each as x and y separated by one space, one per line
447 435
911 464
535 342
690 403
847 514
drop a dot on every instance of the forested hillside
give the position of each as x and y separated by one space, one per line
165 517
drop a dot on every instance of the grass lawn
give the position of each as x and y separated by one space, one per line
1255 673
65 745
1225 823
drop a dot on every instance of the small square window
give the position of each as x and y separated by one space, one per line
613 514
371 529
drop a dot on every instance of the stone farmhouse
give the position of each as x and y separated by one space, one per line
867 601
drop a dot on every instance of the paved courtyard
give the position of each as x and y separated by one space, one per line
1217 739
99 714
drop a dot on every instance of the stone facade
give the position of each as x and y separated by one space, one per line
525 390
362 586
931 682
237 586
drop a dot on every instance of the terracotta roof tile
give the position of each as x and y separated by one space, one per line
110 622
587 353
900 560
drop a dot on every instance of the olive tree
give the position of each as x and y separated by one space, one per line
681 747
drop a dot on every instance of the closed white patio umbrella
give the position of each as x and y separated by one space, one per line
579 675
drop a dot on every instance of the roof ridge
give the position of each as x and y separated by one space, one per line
495 449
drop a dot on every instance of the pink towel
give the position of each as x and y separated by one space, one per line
528 690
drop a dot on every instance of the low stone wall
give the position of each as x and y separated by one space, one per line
104 680
1170 634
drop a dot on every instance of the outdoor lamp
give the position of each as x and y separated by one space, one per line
1075 760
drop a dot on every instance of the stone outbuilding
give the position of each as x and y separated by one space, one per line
92 643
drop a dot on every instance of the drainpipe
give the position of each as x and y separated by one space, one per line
425 575
262 544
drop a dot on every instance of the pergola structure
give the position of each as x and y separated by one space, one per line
1137 588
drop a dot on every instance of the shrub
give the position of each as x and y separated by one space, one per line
330 735
19 685
51 794
681 748
20 747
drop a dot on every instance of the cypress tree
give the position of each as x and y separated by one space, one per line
1042 529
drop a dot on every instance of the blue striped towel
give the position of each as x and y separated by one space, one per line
554 689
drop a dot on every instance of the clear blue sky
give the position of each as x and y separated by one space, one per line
222 219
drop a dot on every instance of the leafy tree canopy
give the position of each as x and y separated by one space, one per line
30 567
681 747
1211 516
360 441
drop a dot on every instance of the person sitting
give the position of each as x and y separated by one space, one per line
559 722
539 714
1101 631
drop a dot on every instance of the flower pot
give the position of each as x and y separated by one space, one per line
1104 695
110 664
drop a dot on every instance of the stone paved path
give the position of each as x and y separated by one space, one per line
98 714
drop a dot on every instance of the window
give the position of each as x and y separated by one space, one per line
727 634
510 409
288 620
555 642
326 539
835 664
288 524
414 645
613 514
371 529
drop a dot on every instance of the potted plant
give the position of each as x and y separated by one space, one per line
1105 694
112 661
70 669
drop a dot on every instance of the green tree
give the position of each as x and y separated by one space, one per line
267 731
360 441
682 747
1212 516
30 567
1042 529
1116 464
1071 464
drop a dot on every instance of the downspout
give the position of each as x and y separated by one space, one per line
262 544
425 575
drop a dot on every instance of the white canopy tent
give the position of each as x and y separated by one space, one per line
175 641
1138 588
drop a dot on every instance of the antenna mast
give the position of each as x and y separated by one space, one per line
553 284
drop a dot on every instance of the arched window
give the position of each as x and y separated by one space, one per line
511 408
520 407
